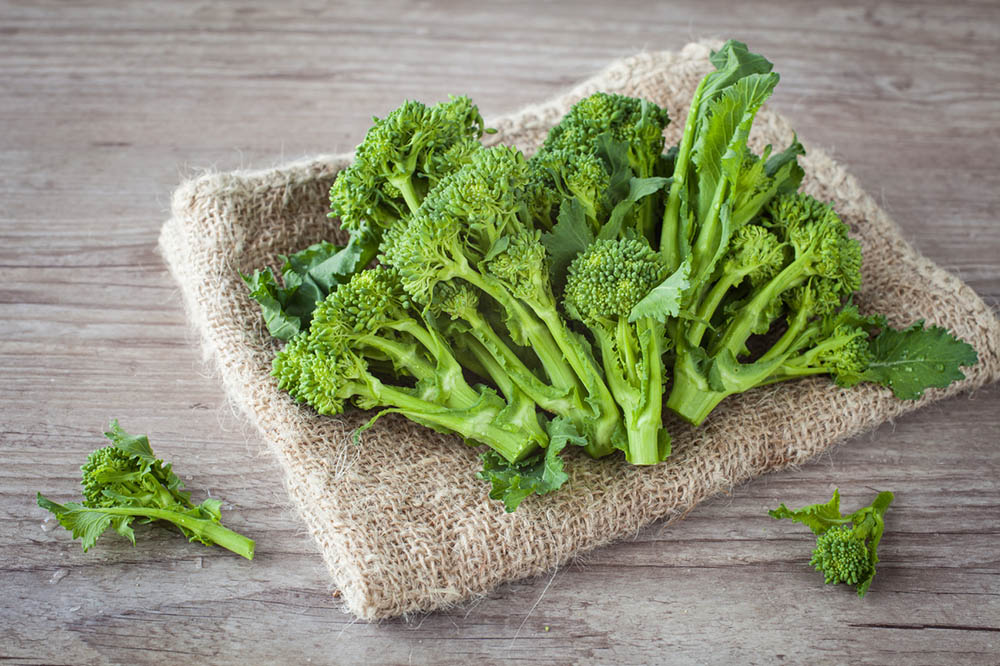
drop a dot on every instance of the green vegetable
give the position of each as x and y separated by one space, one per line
474 230
531 304
124 482
607 287
846 546
308 276
369 321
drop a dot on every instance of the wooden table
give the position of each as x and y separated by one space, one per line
105 108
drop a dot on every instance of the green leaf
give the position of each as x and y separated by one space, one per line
540 474
615 154
85 524
916 358
639 188
817 517
136 446
569 237
271 297
664 300
308 276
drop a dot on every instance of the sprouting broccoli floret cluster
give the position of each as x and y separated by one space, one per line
846 546
532 303
124 482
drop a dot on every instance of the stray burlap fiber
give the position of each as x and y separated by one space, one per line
401 520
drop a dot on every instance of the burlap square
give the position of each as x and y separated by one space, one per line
401 520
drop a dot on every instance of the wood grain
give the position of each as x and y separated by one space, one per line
106 106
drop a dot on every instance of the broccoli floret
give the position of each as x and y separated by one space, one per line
637 123
604 286
474 227
599 146
124 482
798 263
370 319
402 156
846 546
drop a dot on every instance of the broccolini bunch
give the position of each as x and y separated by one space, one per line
530 304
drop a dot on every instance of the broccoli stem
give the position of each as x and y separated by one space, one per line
705 247
447 373
671 233
608 418
405 185
691 397
511 366
560 372
479 423
205 529
636 379
741 326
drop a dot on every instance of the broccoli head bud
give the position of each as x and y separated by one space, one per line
754 252
402 156
846 546
603 287
636 122
102 463
842 556
607 280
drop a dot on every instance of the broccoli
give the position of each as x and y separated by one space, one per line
604 286
603 143
369 320
474 229
795 268
573 283
402 156
125 481
846 546
800 263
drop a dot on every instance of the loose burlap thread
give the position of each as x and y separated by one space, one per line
401 521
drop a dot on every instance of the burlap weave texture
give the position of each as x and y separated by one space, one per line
401 521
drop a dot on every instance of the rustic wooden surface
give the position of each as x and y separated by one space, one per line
105 107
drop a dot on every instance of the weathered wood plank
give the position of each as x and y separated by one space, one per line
106 107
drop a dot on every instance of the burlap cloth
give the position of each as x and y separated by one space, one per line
401 521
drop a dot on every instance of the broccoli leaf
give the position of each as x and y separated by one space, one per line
639 188
539 474
569 237
85 524
817 517
916 358
664 300
308 276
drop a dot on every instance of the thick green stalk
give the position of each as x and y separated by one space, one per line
740 327
477 423
670 234
557 401
405 185
561 373
207 529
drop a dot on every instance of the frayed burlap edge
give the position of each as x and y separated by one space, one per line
401 521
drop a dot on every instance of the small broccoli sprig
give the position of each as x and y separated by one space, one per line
846 546
125 481
797 264
604 144
369 321
606 290
402 156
